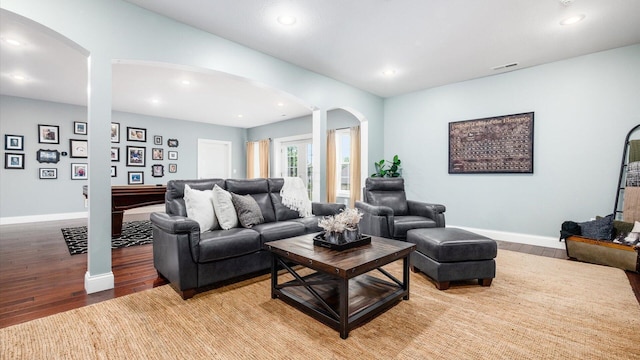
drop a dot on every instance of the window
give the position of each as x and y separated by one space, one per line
292 161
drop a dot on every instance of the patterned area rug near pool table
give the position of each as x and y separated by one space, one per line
133 233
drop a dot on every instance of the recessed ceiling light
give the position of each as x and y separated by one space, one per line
155 101
287 20
13 42
18 77
185 82
281 104
572 20
389 72
240 115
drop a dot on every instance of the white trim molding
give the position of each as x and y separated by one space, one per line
97 283
529 239
43 217
70 216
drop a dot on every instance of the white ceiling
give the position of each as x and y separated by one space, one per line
56 71
427 42
210 97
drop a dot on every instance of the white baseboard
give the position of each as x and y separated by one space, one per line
70 216
44 217
529 239
97 283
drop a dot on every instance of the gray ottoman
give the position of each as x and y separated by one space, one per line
450 254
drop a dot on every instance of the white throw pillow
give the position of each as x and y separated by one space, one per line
199 204
636 227
224 209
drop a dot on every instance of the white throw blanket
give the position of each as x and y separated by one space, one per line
294 196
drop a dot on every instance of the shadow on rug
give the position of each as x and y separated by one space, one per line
133 233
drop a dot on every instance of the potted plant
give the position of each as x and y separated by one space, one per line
342 227
386 168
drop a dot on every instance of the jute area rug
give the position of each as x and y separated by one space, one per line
536 308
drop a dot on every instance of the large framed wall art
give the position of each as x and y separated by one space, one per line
501 144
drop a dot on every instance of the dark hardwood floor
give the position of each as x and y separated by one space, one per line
38 277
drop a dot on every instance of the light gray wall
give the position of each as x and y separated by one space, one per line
21 191
112 29
584 107
285 128
187 133
303 125
339 119
20 116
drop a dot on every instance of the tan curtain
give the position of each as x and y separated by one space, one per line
263 155
354 167
331 166
250 160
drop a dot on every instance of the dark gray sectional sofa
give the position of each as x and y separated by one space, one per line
191 261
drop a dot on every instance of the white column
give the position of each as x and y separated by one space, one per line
99 276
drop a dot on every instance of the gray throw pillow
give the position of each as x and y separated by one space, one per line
599 229
248 210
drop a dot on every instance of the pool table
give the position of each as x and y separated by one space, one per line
125 197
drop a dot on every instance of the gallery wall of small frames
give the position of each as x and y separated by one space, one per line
53 148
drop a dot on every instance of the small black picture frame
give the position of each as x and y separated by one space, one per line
157 140
47 173
80 128
13 161
79 171
48 134
172 142
173 168
136 156
48 156
136 134
172 155
115 132
157 154
157 170
78 148
14 142
114 171
135 178
115 154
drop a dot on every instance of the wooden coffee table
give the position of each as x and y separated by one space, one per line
340 293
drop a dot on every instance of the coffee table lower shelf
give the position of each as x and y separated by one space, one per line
342 289
368 296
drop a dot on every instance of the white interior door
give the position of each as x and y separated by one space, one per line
214 159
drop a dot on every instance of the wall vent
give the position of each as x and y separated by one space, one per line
505 66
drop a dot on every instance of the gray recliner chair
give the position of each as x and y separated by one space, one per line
388 213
